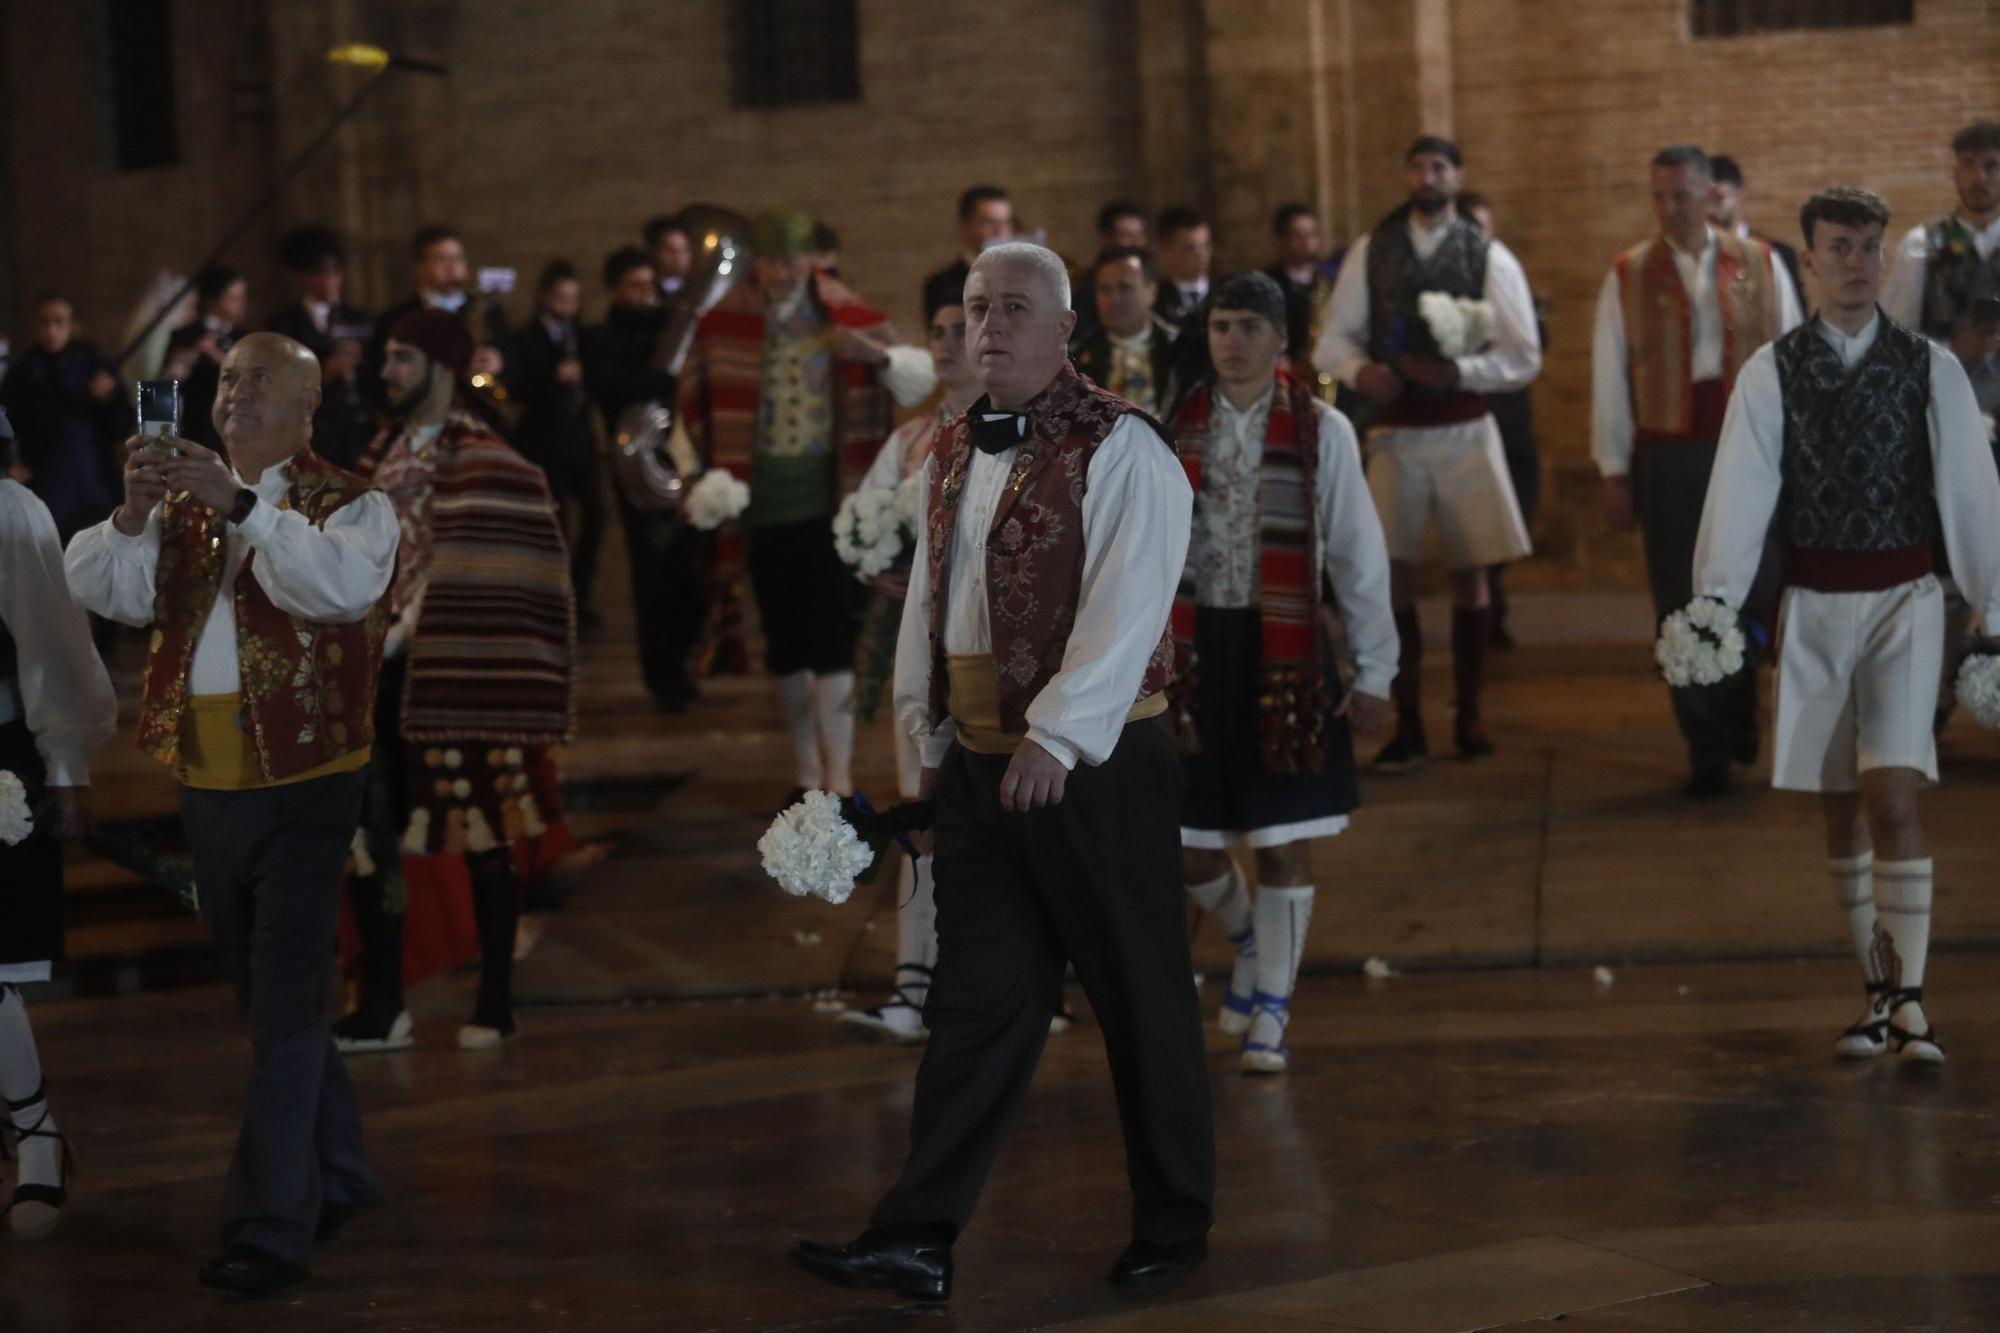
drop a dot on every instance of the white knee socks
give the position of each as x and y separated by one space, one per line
1282 917
20 1081
795 700
1225 900
1854 890
1903 923
833 713
916 920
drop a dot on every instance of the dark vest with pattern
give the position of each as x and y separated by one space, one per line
1858 506
1955 276
1396 278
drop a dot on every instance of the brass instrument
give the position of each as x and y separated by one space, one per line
650 451
488 321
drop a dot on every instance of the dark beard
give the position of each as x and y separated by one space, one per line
414 399
1430 203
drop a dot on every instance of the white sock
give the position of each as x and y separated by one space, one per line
1282 917
1903 920
1854 890
795 701
916 916
21 1079
833 713
1225 900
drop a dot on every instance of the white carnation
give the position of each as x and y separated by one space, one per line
812 851
870 531
1978 688
1700 644
17 821
716 499
1459 325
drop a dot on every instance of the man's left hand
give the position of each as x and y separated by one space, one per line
72 813
1035 778
1433 372
1366 714
201 473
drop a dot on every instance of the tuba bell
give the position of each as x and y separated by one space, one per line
649 451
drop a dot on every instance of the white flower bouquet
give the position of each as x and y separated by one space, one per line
1701 644
876 525
1459 325
1978 686
715 499
17 818
825 844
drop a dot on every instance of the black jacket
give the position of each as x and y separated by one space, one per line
345 422
617 362
554 426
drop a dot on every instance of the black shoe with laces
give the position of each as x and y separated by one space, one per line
249 1271
37 1208
1912 1048
918 1269
897 1021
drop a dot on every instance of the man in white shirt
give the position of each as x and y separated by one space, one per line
1678 315
1433 444
1280 505
1945 282
263 582
1032 669
1860 443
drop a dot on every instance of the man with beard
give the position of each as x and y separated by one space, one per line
671 560
477 674
263 580
787 384
1131 352
68 413
1946 279
1433 443
437 262
1041 722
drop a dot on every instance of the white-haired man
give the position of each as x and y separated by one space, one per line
1032 668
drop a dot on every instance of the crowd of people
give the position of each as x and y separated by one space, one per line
1162 579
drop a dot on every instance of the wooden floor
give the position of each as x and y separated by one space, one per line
1477 1142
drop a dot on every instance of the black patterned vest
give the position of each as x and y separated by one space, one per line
1858 507
1955 276
1396 277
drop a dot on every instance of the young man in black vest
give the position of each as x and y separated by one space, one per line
1862 441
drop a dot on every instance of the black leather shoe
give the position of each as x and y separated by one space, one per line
1150 1261
919 1269
249 1271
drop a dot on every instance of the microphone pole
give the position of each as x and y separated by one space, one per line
373 58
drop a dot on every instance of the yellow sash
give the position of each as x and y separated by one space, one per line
217 754
975 704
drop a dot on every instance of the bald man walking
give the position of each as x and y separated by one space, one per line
264 584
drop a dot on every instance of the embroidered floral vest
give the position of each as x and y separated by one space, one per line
1954 276
308 689
1034 550
1659 326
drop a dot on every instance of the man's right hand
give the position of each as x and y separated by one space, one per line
1618 507
1378 383
145 484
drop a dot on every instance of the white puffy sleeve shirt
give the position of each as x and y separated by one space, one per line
59 688
1136 509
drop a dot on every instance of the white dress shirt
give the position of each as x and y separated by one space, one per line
1611 431
1903 289
332 573
1351 550
1743 490
59 687
1136 507
1512 360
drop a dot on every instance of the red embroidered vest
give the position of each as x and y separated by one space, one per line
1659 332
1034 550
308 689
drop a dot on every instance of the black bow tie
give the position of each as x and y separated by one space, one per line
996 432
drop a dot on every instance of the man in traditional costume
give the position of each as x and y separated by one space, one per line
1433 443
1945 268
787 385
477 680
1131 350
900 1018
263 579
1677 316
1281 505
56 706
1862 440
1033 667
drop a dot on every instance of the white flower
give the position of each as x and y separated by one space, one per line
1978 688
870 530
1459 325
1700 644
1603 975
17 821
1377 969
811 850
714 500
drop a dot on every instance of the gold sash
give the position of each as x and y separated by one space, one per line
217 754
975 704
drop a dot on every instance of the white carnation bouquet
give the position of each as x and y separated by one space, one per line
1459 325
825 844
715 499
1978 684
876 525
17 818
1701 644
